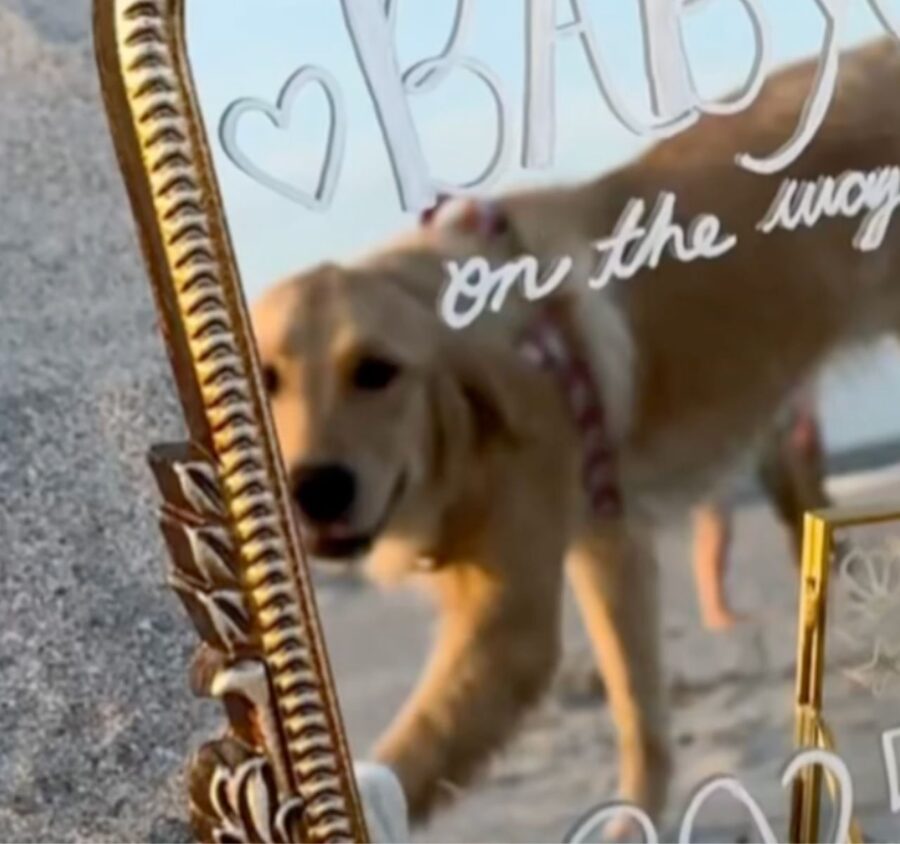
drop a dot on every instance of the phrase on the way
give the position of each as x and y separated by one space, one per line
641 240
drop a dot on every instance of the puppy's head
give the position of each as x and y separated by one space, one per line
373 398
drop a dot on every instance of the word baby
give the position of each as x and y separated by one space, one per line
473 287
676 102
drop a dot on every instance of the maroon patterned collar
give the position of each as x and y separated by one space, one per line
550 343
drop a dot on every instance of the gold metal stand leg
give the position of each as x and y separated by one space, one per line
806 796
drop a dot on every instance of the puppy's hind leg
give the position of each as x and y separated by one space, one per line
791 471
614 575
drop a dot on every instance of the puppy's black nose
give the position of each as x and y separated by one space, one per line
324 492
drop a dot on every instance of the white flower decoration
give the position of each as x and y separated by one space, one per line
870 615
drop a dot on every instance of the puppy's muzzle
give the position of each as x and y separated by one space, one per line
325 496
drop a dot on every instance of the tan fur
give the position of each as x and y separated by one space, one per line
694 361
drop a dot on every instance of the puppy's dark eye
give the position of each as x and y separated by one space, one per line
373 373
271 380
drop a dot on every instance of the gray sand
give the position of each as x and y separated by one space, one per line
95 715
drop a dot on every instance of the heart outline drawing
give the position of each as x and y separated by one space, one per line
280 117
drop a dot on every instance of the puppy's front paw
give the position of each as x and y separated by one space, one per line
384 803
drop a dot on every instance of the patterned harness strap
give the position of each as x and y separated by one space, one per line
549 345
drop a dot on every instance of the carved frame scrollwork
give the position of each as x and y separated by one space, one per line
283 772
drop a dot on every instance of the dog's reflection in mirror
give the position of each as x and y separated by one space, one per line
550 439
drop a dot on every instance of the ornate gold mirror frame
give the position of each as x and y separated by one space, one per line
283 772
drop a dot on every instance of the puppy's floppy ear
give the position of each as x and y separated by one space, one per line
495 387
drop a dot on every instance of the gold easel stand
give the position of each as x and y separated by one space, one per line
810 727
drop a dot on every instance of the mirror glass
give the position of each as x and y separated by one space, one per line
862 674
567 311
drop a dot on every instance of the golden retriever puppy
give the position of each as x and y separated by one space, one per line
453 456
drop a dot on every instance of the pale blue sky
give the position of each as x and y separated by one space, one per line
240 49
